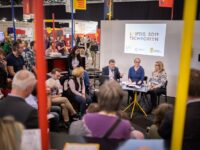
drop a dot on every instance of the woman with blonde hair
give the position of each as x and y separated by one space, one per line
76 91
157 83
10 134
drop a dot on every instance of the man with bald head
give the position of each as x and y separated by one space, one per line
14 104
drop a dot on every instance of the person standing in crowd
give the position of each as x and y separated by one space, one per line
100 124
14 104
57 98
78 40
7 46
3 72
76 91
157 83
191 136
15 61
75 59
29 57
112 71
93 49
61 46
50 49
10 134
159 114
136 72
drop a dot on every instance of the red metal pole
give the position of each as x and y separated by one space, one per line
54 33
41 72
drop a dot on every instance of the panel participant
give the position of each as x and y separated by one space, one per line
136 72
157 83
112 71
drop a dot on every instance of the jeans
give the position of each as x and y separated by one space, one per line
82 103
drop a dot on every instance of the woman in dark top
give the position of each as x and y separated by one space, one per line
135 75
75 59
76 91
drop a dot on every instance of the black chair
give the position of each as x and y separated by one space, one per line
164 94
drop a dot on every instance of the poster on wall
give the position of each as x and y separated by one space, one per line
145 39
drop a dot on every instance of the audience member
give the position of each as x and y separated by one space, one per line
14 104
157 83
29 58
152 131
3 73
50 49
10 134
112 71
191 136
78 127
7 45
61 46
106 123
76 91
15 61
75 59
136 72
56 97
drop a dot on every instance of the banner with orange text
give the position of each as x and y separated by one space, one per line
80 4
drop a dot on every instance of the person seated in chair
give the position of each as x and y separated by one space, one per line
76 91
112 71
57 98
135 75
157 83
136 72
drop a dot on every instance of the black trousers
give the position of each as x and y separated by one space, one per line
154 94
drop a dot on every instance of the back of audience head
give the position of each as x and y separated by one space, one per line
78 72
160 112
24 81
93 107
194 85
75 52
10 134
32 44
110 96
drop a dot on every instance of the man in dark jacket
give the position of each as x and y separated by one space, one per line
111 71
14 104
191 136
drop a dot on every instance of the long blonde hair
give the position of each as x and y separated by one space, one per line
10 134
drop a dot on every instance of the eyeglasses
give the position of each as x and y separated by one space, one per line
137 62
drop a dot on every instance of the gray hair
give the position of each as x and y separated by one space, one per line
23 79
110 96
